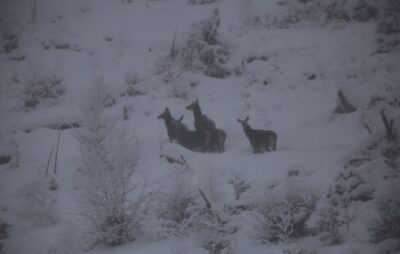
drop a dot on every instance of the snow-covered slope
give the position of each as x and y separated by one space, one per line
289 86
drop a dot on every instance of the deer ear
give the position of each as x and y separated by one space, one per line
180 119
166 109
239 121
197 101
246 119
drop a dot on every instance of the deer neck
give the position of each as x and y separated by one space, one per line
168 121
248 130
197 113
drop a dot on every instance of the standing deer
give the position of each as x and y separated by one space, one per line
260 140
213 138
216 139
192 140
172 124
201 122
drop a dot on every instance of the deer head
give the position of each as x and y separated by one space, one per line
244 122
166 114
194 106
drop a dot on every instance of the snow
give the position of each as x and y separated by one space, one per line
114 40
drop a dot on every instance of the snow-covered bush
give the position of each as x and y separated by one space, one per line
182 210
179 91
390 20
329 225
3 232
201 1
10 42
174 206
3 229
203 50
40 88
216 227
387 225
111 195
285 14
68 240
365 10
11 31
283 212
38 205
388 29
131 80
349 187
9 151
212 183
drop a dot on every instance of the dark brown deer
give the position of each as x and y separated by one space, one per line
201 122
172 124
216 139
260 140
193 140
213 138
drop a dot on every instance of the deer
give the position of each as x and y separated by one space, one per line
201 122
172 124
260 140
212 137
192 140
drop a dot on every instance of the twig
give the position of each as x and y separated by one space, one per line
48 161
208 204
57 146
388 126
366 126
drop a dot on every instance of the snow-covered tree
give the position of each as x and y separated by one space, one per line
203 49
111 199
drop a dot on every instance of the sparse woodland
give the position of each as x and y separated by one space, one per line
200 126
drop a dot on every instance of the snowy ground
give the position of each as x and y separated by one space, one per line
111 40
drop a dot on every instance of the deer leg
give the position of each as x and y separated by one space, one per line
254 149
206 142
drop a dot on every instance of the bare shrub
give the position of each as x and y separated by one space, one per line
239 185
282 214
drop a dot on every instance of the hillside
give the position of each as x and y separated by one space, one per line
83 82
